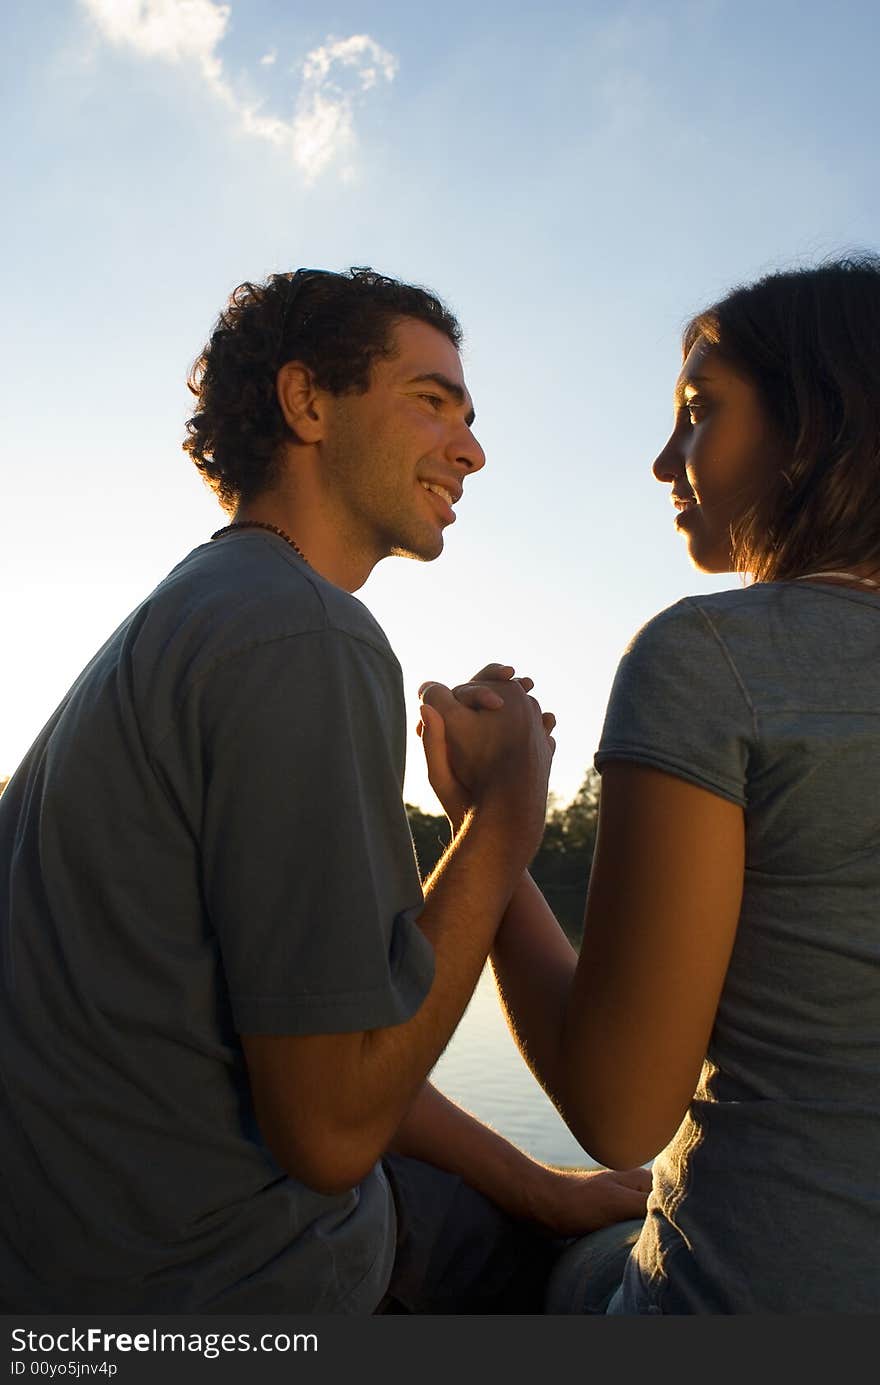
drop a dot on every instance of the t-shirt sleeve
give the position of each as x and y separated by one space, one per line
679 705
309 872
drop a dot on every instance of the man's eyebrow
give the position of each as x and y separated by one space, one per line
452 387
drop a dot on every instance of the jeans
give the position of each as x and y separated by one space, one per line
459 1253
587 1275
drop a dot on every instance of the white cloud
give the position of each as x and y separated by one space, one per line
333 77
349 52
169 29
324 122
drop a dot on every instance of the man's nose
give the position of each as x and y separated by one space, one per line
466 451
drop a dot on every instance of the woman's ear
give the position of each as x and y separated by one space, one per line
300 401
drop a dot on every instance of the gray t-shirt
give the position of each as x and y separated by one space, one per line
768 1197
208 838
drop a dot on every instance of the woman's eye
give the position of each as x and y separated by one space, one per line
695 410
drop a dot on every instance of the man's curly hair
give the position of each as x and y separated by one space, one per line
336 324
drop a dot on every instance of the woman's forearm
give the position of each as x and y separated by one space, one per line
534 966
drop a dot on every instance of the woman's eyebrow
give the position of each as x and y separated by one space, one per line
689 382
452 387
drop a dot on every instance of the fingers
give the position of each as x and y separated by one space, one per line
631 1205
432 729
478 696
431 722
501 673
453 797
436 695
639 1179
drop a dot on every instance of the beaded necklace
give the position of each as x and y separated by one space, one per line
261 524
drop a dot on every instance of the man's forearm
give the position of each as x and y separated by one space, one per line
564 1202
439 1132
328 1105
465 900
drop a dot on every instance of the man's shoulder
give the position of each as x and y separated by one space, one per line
242 608
248 589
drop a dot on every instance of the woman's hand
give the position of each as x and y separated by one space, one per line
478 695
454 797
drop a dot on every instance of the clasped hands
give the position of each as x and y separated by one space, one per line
487 741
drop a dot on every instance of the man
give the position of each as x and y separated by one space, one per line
222 987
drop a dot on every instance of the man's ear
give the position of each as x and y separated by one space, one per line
300 401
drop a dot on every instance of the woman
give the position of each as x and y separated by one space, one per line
725 1005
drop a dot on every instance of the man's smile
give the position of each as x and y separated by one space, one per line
449 497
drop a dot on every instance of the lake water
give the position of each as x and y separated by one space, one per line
482 1070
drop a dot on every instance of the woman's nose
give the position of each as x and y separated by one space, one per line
669 463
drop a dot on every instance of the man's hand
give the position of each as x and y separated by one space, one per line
571 1202
565 1202
478 695
492 757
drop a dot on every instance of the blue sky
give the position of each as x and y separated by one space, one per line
574 180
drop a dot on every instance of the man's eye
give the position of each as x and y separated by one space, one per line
433 399
695 410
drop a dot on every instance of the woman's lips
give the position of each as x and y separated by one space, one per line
684 509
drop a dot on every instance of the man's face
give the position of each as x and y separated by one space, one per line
395 458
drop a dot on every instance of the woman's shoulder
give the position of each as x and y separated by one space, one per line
696 614
742 608
764 635
711 638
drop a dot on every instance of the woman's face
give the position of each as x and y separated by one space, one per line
718 457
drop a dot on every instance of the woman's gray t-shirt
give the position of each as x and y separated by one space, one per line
768 1197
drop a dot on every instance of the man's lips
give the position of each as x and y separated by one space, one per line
446 495
448 491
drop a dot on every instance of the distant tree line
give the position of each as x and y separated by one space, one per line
562 866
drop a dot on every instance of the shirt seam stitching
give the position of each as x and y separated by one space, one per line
728 657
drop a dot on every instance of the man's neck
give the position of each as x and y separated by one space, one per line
318 541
